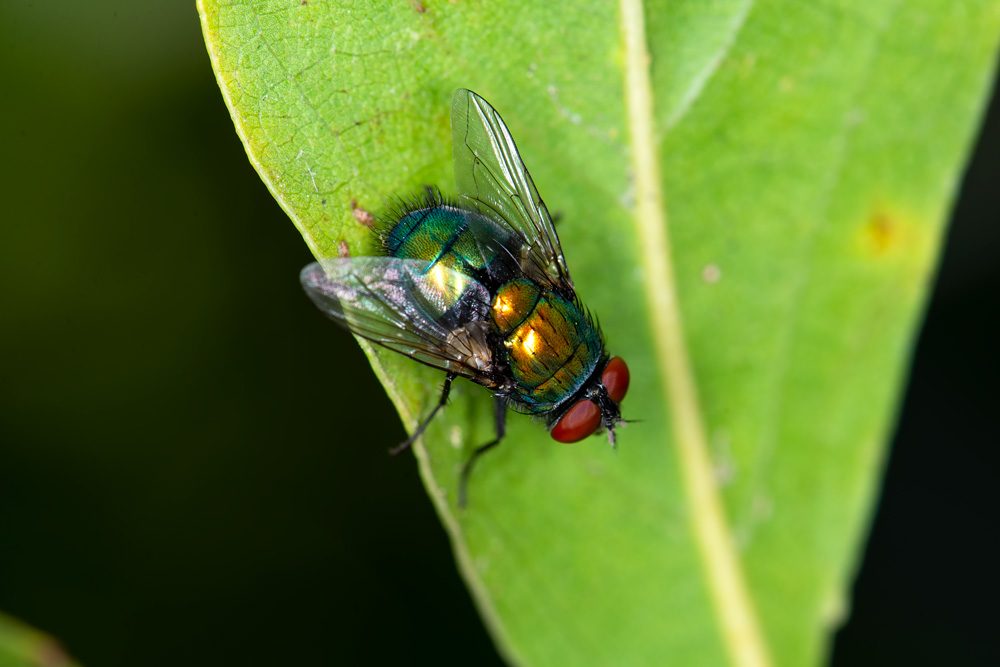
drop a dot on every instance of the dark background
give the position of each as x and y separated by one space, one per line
192 460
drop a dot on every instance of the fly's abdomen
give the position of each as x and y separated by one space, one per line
552 347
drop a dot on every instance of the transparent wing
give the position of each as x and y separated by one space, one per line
493 180
427 312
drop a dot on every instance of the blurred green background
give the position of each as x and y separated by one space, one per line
181 484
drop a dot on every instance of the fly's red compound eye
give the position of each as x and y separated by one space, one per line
580 421
615 379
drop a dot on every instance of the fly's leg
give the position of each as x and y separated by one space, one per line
500 417
423 426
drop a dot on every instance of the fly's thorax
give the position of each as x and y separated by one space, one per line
551 349
422 233
453 237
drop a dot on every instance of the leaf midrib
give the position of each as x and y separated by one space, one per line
736 616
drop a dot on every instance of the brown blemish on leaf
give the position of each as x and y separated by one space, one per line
881 232
898 241
343 250
361 215
419 6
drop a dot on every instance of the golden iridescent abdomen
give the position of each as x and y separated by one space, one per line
551 346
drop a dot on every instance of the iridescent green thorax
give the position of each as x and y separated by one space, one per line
446 235
553 350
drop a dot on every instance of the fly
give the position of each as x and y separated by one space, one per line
479 288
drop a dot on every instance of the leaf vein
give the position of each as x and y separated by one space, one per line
702 78
735 614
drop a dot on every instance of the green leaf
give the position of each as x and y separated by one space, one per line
753 199
21 646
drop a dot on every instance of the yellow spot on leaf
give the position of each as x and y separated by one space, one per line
888 232
898 242
881 233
